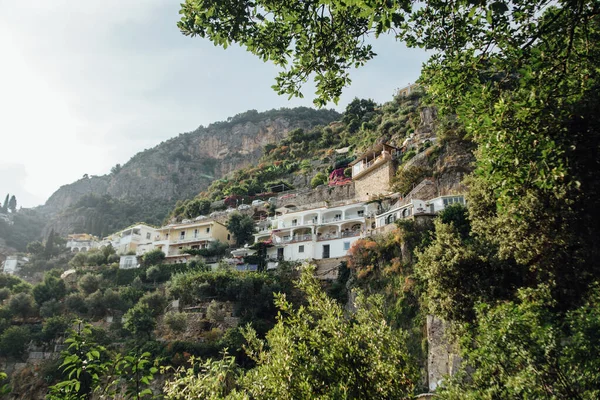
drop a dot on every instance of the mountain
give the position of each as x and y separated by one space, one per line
151 182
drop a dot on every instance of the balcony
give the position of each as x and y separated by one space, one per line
192 239
339 235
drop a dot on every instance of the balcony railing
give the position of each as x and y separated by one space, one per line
339 235
293 239
191 239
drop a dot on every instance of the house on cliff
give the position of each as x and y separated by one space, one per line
373 171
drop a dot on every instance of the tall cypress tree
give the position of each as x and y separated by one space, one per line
12 204
5 205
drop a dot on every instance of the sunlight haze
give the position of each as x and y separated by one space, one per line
86 85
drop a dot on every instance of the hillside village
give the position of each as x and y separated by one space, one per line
317 225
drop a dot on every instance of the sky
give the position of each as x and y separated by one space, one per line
85 85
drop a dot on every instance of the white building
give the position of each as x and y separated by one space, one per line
13 264
81 242
403 210
138 236
128 262
314 234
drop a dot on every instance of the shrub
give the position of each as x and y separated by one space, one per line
176 321
14 341
319 179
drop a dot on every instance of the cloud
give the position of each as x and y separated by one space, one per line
12 177
87 84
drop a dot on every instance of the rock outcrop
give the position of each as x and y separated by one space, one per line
183 166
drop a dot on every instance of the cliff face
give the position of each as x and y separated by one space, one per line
183 166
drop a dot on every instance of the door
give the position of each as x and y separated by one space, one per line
325 251
280 253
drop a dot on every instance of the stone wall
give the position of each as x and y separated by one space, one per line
318 197
442 357
375 182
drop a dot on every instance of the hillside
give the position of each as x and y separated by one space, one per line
150 183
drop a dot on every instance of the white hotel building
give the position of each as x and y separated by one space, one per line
317 233
329 232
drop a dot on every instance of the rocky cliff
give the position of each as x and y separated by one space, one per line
178 168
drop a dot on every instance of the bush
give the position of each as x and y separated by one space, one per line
4 294
50 308
214 312
155 301
153 257
21 304
75 302
319 179
408 155
14 341
89 283
176 321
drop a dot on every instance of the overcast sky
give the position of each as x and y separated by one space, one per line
86 84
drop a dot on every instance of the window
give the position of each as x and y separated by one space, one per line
346 245
148 235
208 230
294 222
182 235
337 217
228 236
361 213
301 249
195 233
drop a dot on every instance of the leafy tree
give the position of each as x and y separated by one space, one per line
140 320
215 249
21 304
319 179
36 248
113 301
460 273
14 341
357 112
520 349
95 304
75 302
153 273
242 227
89 283
50 308
54 327
155 301
4 294
78 260
12 204
153 257
53 288
313 352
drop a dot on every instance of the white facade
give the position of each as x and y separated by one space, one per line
81 242
415 207
314 234
135 236
128 262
